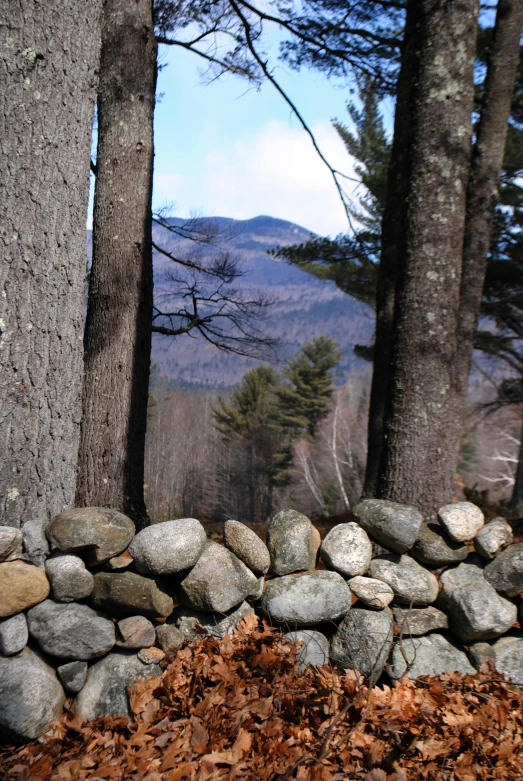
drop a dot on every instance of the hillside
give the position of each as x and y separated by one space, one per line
303 307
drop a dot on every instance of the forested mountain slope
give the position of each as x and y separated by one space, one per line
303 307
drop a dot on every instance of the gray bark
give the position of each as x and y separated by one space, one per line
119 314
389 261
48 70
420 449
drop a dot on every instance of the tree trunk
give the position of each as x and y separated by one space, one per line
119 314
420 448
516 500
482 193
389 260
49 55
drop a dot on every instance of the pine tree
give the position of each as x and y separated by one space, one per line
304 401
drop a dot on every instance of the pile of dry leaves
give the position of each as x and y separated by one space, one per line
237 709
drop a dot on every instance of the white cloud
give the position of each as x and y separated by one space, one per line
276 172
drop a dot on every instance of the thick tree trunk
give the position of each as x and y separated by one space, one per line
49 55
486 165
389 260
119 314
420 452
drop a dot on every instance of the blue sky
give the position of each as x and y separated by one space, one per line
222 149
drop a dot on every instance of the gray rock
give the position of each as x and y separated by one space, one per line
411 583
31 696
363 641
96 532
313 648
435 548
293 543
419 621
257 593
480 653
477 612
193 624
128 594
313 598
508 652
10 543
135 632
373 593
428 655
462 520
493 537
466 573
14 634
347 550
69 578
70 631
169 547
105 692
247 546
170 639
73 676
21 586
395 526
218 582
505 573
36 547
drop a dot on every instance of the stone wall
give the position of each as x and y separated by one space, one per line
87 606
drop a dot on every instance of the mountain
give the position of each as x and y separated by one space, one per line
304 307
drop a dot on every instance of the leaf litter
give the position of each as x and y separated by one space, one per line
239 709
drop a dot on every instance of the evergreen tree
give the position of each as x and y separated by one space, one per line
304 401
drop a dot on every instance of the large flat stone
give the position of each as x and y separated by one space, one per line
70 631
429 655
105 692
395 526
128 594
304 600
313 648
169 547
69 578
218 582
347 549
492 538
505 573
31 696
462 520
21 586
10 543
97 533
14 634
468 572
477 612
363 641
508 655
247 546
419 621
411 583
434 548
293 543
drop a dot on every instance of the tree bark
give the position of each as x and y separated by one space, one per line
482 192
420 449
389 261
49 55
119 314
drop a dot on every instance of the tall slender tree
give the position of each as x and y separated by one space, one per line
119 312
49 54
